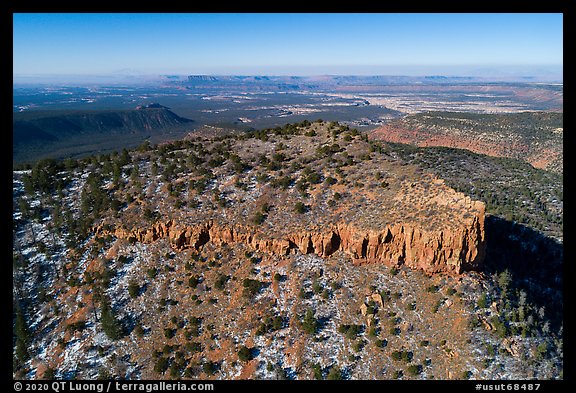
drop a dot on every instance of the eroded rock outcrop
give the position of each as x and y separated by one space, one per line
370 206
452 251
534 137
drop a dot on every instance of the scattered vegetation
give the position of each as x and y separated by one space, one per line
188 173
244 354
251 287
309 324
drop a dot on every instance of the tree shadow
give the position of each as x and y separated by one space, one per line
322 322
534 261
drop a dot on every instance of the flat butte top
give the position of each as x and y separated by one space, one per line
340 179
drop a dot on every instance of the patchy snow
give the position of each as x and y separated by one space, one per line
91 349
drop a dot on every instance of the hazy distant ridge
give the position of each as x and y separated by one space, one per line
48 131
55 125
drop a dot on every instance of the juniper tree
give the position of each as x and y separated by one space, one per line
310 324
111 326
22 335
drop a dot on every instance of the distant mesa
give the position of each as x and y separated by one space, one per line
59 133
153 105
202 78
62 123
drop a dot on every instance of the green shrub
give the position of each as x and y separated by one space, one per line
317 287
310 324
282 182
169 333
330 181
244 354
542 351
133 289
110 324
193 347
483 301
385 294
491 350
49 374
407 356
504 280
152 272
277 323
335 374
161 365
258 218
500 327
372 331
317 369
221 281
262 329
139 330
414 369
314 178
371 309
77 326
300 208
209 367
358 345
381 343
262 178
194 281
351 331
251 287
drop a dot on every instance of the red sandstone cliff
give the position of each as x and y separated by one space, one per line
451 251
538 140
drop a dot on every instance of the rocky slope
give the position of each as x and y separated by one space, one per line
535 137
299 252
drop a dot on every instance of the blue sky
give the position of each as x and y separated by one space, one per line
284 44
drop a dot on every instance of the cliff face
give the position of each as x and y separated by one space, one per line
449 251
351 199
532 137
